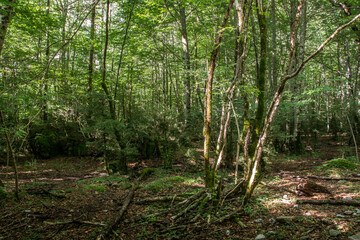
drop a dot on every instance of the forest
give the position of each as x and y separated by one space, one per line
179 119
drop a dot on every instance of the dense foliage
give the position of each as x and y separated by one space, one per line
147 101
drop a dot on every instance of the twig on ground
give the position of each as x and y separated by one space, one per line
76 222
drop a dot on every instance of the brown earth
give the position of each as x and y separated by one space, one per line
68 198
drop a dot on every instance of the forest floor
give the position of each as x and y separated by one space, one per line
70 198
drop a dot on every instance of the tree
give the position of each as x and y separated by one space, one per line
210 171
4 23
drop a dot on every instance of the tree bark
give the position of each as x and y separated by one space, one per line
46 75
187 67
241 53
92 43
106 90
4 24
273 46
256 129
209 174
122 52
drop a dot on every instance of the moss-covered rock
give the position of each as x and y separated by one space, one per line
340 163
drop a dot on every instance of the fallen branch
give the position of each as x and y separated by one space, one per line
331 202
106 231
76 222
278 188
193 205
334 179
159 199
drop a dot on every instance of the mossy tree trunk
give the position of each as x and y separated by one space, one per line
255 127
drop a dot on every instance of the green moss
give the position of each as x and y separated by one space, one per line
146 172
340 163
95 187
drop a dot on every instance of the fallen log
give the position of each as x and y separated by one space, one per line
108 228
330 201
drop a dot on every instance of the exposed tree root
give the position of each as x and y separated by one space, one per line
331 202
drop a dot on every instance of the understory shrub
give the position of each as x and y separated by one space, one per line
55 138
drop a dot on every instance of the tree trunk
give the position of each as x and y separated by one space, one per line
209 172
92 43
186 58
256 129
122 52
4 24
46 75
123 166
273 46
5 20
242 18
